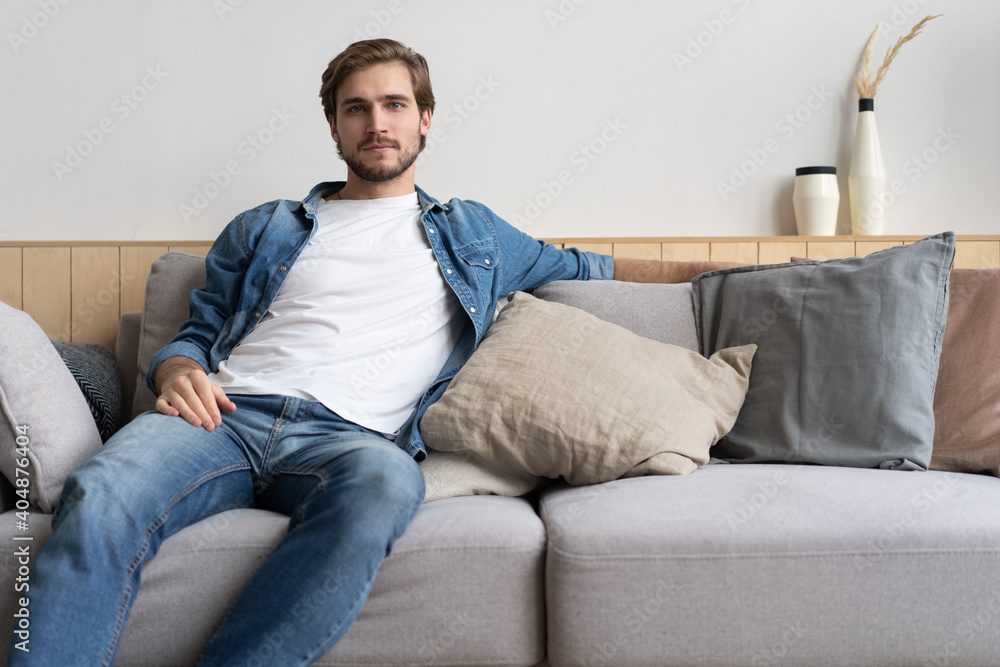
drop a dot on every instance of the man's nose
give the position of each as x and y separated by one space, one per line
377 122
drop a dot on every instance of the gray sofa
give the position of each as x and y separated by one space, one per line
762 564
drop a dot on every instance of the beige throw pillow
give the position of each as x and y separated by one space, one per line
554 391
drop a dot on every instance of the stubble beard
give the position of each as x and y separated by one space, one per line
381 170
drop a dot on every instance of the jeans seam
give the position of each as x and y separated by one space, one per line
144 548
272 437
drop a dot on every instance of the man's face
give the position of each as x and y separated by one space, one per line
379 127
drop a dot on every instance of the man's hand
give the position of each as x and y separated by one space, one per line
186 391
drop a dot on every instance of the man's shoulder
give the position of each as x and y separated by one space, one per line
267 210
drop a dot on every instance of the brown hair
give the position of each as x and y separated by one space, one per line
361 55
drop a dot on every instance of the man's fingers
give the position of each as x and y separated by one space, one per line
163 406
205 390
172 405
193 397
222 400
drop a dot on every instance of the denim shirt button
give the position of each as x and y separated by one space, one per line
256 314
282 268
430 230
448 271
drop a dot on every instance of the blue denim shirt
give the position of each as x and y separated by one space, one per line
482 258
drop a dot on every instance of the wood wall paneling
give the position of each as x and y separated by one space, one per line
744 252
10 276
698 251
823 250
977 254
637 251
96 294
780 252
46 292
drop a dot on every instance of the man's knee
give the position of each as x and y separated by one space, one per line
392 473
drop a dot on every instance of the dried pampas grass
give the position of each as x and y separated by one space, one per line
864 84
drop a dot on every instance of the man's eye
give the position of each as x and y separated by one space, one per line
355 109
395 105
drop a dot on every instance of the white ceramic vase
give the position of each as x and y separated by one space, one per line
816 199
866 181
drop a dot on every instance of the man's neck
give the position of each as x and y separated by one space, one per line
358 188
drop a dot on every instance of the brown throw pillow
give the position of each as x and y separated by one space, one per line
967 396
672 271
554 391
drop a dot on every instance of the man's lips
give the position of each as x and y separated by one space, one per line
379 148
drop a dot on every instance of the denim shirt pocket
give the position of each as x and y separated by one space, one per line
484 260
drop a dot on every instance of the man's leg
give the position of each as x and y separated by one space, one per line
350 494
156 476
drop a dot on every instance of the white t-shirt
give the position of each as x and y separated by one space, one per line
363 322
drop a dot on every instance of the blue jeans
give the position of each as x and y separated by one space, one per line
350 494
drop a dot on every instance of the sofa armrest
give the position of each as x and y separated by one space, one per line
127 356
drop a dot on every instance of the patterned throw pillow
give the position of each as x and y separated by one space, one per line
96 372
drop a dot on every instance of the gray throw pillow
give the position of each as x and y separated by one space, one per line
847 357
46 429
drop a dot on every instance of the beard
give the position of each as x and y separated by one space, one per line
381 170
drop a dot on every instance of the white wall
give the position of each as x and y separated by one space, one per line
162 95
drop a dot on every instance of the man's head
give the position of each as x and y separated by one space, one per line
377 98
362 55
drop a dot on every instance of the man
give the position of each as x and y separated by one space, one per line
271 380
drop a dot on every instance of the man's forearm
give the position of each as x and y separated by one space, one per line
656 271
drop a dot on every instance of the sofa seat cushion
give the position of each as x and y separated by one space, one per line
462 586
748 564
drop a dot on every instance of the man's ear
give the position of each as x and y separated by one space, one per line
333 127
425 122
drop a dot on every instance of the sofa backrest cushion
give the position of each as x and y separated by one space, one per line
663 313
171 279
